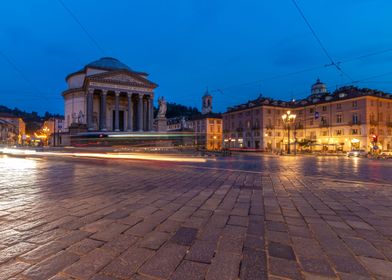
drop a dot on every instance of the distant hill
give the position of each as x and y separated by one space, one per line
33 120
178 110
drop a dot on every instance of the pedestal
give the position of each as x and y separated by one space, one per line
161 124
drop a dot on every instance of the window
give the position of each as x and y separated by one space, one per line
380 117
211 128
248 124
268 111
301 112
354 131
372 103
355 118
311 122
324 133
339 132
324 108
311 110
355 104
339 118
380 104
339 106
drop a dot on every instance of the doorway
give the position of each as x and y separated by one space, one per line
121 120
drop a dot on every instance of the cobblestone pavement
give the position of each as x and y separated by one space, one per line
107 220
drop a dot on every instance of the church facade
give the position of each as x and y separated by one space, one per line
107 95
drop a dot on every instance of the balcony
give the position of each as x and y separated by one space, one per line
373 122
354 123
269 126
323 124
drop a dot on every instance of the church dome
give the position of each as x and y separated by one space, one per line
319 87
108 63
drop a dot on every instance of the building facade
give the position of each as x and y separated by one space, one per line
208 126
350 118
18 131
107 95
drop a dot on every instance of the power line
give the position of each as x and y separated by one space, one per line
333 63
82 27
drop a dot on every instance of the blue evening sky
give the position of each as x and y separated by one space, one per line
187 45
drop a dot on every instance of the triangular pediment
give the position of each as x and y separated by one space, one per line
123 77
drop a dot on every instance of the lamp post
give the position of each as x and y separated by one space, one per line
288 119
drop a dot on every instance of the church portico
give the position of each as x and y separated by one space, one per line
118 99
119 110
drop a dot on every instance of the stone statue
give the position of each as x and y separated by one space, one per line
162 107
74 118
183 123
80 117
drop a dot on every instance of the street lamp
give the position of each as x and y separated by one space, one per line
288 119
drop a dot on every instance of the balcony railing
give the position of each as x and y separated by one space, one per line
324 124
269 126
373 122
354 123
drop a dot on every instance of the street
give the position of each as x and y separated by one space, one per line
246 217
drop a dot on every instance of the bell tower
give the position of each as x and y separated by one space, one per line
206 103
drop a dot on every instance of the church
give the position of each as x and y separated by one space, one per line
107 95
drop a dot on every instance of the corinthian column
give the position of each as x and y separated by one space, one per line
140 112
102 122
117 112
151 112
130 113
90 109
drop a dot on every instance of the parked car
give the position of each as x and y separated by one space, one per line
357 153
385 154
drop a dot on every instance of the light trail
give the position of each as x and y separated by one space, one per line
137 156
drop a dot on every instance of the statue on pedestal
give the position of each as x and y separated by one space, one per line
162 107
161 120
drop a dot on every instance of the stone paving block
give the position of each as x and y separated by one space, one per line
361 247
232 244
284 268
141 228
238 221
130 220
43 252
73 237
317 267
376 266
184 236
51 266
89 264
202 251
120 243
169 226
15 250
254 242
348 264
253 265
128 263
96 226
165 261
282 251
154 240
190 271
110 233
224 266
85 246
11 268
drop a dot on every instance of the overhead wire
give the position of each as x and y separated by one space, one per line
89 35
